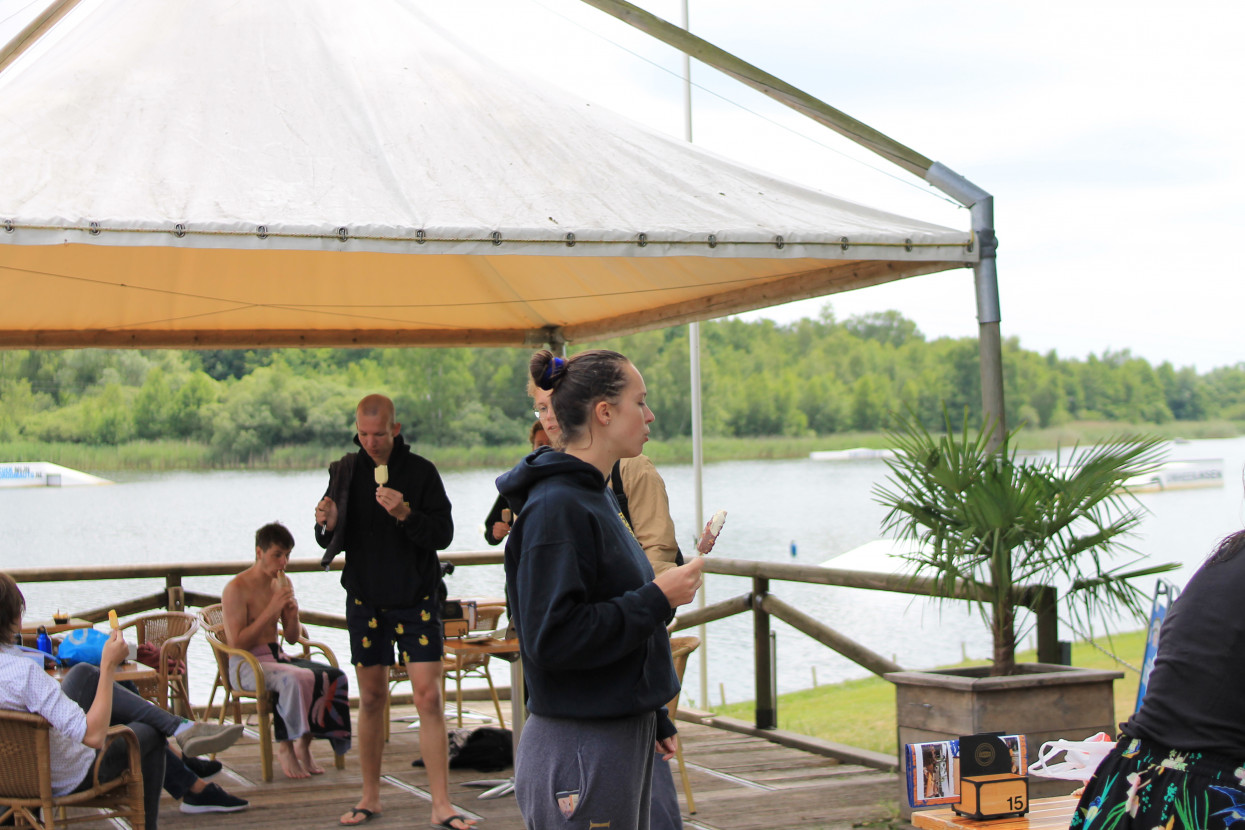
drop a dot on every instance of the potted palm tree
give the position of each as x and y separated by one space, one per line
984 523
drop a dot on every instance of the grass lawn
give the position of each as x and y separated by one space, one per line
861 713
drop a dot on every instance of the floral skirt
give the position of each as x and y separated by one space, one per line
1148 786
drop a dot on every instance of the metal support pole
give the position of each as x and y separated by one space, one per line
766 708
693 349
986 282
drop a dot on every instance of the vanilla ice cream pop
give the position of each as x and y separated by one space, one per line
382 474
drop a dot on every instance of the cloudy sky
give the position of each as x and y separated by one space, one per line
1107 132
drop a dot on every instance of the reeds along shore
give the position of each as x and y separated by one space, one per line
167 455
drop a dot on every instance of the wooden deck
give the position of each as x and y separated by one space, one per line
739 782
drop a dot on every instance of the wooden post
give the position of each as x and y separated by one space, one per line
173 587
766 706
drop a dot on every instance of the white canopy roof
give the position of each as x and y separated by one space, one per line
306 172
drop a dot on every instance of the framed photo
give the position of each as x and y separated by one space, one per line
932 769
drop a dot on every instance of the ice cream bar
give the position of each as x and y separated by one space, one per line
112 620
382 474
506 515
711 532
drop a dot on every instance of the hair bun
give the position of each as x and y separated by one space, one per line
554 369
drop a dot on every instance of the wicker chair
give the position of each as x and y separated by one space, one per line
213 617
460 666
172 632
26 778
215 633
680 648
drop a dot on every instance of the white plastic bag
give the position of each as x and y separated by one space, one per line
1081 758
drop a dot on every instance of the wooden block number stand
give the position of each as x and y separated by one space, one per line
988 787
993 796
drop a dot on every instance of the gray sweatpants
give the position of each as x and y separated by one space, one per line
665 814
582 774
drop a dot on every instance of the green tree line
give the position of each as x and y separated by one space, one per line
812 377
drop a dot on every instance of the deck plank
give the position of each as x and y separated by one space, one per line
739 782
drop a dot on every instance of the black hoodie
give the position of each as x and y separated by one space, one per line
389 564
590 620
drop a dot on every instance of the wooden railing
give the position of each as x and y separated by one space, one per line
1040 599
759 601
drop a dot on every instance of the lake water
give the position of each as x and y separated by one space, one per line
825 508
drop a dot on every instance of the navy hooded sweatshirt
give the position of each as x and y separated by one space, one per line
590 620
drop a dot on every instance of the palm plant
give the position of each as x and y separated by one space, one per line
986 523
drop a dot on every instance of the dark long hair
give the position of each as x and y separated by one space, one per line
12 606
578 383
1228 547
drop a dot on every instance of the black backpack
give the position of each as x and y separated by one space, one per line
485 748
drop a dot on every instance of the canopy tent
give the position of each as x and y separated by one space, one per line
300 172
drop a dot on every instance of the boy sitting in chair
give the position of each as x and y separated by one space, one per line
312 699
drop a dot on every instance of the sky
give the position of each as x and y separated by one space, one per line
1106 131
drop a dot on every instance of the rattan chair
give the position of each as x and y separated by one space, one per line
213 617
171 631
680 648
459 666
26 779
215 633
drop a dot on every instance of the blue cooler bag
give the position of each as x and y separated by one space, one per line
82 645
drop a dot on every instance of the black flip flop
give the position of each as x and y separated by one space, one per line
368 815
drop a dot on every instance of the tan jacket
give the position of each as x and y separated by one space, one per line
650 511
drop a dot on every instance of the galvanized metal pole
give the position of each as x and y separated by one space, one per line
28 36
698 452
986 278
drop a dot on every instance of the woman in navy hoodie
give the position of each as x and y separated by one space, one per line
589 613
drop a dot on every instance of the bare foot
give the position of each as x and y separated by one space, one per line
289 761
302 750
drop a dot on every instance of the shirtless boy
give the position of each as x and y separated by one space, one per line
254 601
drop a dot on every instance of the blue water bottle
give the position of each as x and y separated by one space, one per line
44 642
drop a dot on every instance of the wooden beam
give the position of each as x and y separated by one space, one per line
166 570
194 599
717 611
830 749
828 637
765 83
125 609
319 618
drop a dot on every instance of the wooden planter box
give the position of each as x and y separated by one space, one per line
1043 702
